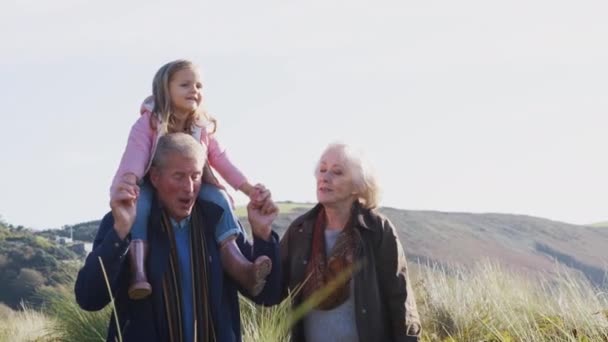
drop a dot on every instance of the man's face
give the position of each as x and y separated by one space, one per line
177 184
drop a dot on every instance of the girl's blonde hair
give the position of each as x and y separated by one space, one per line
364 177
163 118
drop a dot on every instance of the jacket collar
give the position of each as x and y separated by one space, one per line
358 212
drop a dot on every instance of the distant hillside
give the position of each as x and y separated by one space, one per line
82 231
522 242
600 224
525 242
29 262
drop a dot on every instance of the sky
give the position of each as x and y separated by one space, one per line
469 106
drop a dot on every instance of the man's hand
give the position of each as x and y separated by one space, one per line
123 203
261 217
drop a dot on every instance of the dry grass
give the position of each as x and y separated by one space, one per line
487 303
490 303
23 325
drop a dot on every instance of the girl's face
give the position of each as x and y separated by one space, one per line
334 181
185 91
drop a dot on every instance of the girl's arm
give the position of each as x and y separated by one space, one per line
137 153
247 189
218 159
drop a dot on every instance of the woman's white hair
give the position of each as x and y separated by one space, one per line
364 177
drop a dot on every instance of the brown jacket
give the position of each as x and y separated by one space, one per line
384 302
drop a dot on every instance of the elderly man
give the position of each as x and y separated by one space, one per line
192 299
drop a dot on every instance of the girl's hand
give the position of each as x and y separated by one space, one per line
258 195
262 199
129 178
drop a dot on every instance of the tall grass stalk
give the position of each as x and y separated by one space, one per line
260 323
105 277
274 324
71 323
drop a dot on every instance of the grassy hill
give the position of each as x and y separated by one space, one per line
466 298
431 237
524 242
30 262
520 242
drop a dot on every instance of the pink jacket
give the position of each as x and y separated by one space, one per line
141 145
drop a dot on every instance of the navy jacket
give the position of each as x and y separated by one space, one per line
144 320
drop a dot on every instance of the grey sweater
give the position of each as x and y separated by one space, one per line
335 325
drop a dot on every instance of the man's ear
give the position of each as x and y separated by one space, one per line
154 175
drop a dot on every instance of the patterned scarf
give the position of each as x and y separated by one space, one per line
323 268
203 325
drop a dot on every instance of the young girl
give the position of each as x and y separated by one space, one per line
175 106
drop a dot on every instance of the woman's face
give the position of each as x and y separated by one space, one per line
334 180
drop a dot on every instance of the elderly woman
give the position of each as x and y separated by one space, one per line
343 236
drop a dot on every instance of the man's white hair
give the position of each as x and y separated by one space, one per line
181 143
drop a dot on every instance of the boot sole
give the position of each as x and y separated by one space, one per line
140 291
262 270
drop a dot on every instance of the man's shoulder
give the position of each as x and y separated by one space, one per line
210 211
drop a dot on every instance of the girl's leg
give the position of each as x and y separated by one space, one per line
139 231
138 249
251 276
228 224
